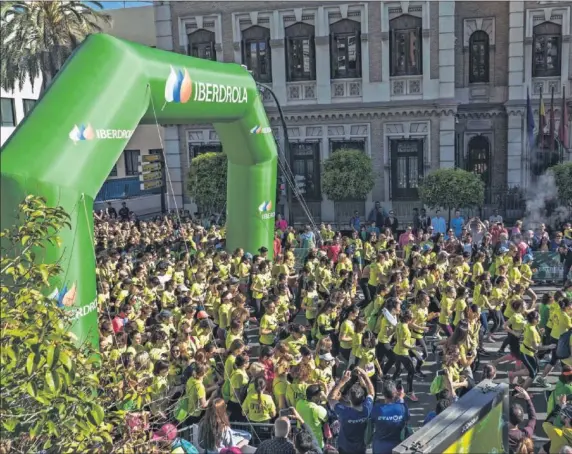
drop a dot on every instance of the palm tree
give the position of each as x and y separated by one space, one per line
38 37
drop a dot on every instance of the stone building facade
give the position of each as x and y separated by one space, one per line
417 85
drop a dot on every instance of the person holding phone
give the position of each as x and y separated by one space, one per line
354 413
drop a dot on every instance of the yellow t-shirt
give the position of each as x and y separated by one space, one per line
366 359
403 340
230 338
517 322
295 392
195 392
229 366
259 408
279 388
295 344
224 315
446 309
347 330
460 306
311 304
238 379
323 321
478 270
420 315
386 331
564 323
268 322
530 339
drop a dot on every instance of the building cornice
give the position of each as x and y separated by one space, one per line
365 111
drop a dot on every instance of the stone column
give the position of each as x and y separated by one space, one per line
516 149
447 140
323 70
165 40
278 60
446 51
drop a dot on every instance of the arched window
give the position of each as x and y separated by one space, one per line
479 57
256 52
547 39
405 50
345 49
300 52
202 44
479 158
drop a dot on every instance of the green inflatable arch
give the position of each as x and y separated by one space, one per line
67 146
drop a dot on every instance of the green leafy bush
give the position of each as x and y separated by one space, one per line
563 178
348 175
452 188
207 182
56 395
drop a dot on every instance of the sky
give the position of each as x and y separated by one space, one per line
115 5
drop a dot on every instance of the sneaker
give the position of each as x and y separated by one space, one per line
541 381
420 374
412 397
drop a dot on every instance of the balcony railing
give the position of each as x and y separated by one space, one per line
410 85
123 188
345 89
301 91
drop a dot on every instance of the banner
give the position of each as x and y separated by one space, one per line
546 266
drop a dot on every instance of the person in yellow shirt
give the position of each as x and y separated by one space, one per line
460 305
323 326
235 332
296 340
478 267
310 302
237 348
238 382
224 312
561 323
515 328
347 329
269 325
196 395
404 343
258 406
366 358
387 331
530 345
376 271
447 307
560 437
418 327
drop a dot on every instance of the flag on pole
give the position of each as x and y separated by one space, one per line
541 122
552 121
563 130
529 121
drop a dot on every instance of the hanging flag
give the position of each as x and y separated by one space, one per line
563 130
552 121
541 122
529 121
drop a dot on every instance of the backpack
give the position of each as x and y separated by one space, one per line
437 384
181 445
563 347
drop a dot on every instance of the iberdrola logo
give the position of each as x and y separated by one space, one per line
260 130
65 297
179 86
82 132
265 207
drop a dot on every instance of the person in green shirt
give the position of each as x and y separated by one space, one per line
196 395
238 381
314 414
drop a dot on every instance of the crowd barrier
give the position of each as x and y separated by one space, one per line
476 423
547 266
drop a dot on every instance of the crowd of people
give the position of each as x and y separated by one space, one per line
335 343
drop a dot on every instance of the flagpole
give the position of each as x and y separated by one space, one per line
552 120
541 114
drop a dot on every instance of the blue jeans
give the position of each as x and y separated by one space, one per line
485 322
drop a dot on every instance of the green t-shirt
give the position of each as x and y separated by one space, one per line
259 409
315 416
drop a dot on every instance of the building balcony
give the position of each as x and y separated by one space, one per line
123 188
544 85
345 90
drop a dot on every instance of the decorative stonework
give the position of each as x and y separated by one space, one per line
364 37
385 36
485 24
236 45
361 115
218 47
276 43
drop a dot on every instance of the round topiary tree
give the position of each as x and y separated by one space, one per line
348 176
451 189
207 182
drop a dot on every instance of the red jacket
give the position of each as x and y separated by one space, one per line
277 247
